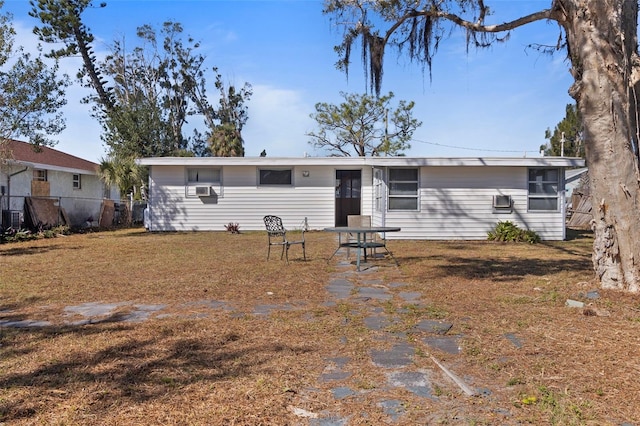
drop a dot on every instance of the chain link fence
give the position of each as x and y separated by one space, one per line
20 212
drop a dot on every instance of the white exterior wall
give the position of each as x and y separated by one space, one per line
79 204
366 202
457 203
241 200
17 185
455 195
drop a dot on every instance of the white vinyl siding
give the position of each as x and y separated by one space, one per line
245 201
454 201
457 203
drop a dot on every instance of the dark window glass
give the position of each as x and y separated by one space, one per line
275 177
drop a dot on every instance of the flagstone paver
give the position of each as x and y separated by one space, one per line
367 295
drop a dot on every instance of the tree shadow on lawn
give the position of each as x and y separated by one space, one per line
512 269
14 311
25 251
139 367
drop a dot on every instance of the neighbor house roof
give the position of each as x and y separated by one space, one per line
574 174
365 161
48 158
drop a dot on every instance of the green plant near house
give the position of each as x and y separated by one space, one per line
232 227
510 232
531 237
11 235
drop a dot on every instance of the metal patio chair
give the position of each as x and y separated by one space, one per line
376 242
277 236
361 221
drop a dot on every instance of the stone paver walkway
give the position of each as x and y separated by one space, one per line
366 293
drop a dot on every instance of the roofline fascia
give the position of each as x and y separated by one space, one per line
365 161
53 168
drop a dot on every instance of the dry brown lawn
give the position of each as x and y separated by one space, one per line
194 362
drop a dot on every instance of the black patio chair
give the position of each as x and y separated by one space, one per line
277 236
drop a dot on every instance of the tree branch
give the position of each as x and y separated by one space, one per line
477 26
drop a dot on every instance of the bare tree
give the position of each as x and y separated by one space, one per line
600 38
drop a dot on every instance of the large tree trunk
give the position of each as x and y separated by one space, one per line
602 42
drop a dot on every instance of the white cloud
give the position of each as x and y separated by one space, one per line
278 121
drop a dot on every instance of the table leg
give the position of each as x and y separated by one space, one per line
364 244
358 252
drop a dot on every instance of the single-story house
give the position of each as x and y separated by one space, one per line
429 198
49 187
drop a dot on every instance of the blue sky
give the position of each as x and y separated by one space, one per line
492 102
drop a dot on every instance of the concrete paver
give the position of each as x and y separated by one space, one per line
366 293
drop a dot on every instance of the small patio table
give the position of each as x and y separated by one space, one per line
361 242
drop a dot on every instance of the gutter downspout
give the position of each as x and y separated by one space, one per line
9 176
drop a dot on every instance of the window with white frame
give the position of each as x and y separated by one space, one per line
203 182
203 175
403 189
40 175
543 189
77 183
275 177
377 184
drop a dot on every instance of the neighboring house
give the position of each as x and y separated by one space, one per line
572 179
48 179
429 198
578 199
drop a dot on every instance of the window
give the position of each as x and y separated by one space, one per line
377 191
203 182
40 175
543 189
203 175
403 189
275 176
76 181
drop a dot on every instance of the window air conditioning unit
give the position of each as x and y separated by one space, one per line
502 201
203 191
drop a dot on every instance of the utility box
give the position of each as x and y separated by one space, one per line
12 219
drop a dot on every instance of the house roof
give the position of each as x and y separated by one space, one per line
364 161
48 158
574 174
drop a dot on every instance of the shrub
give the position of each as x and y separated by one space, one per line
11 235
55 231
232 227
530 237
14 235
508 231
